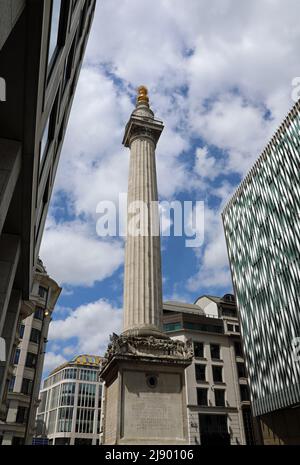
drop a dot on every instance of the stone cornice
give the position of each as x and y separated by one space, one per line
150 348
138 127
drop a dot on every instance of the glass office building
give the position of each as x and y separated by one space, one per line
261 224
70 403
42 46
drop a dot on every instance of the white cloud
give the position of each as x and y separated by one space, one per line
75 257
52 361
90 324
219 71
207 166
213 269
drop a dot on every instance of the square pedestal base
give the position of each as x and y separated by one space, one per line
145 399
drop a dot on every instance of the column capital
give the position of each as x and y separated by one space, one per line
141 126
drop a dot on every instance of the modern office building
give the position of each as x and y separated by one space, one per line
42 44
218 403
28 359
261 223
70 407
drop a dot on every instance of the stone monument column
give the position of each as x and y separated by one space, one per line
144 400
142 278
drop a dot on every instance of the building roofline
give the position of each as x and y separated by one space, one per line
76 361
215 299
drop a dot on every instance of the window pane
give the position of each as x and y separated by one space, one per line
200 372
21 415
35 336
202 396
31 360
199 349
44 141
52 421
220 397
238 349
17 357
54 28
215 351
67 394
39 313
21 333
245 395
217 374
26 386
241 370
65 416
43 291
11 384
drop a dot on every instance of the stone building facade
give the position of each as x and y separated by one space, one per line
217 389
26 365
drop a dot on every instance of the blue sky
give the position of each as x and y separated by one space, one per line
219 75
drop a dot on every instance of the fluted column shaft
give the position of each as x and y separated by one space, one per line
142 279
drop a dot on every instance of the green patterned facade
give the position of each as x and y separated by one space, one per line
262 229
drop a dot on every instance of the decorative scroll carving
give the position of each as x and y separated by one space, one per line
149 347
144 131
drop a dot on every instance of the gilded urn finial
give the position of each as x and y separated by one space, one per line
143 95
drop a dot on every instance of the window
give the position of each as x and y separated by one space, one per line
31 360
199 349
230 327
202 396
11 384
70 373
39 313
43 292
248 425
200 371
241 370
54 30
54 397
35 335
217 374
215 351
42 404
21 332
228 312
26 387
210 328
69 63
245 395
238 349
22 415
65 416
67 394
52 421
214 430
86 395
84 420
61 130
48 135
172 327
17 356
88 375
220 397
45 139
